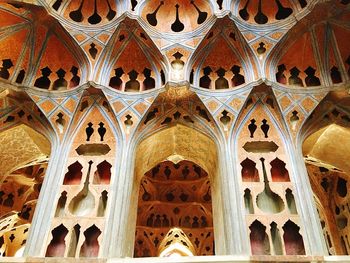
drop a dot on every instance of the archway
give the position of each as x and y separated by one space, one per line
176 178
23 166
326 154
174 195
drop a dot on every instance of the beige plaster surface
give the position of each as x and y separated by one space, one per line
21 145
177 140
330 145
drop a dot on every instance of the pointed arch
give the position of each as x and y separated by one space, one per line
155 142
293 241
130 43
46 48
223 49
326 131
314 52
179 138
179 145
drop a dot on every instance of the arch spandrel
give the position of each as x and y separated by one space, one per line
334 108
223 51
130 43
312 53
19 109
46 57
263 96
177 104
93 106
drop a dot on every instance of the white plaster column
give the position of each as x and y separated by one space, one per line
313 236
45 208
236 236
117 240
113 209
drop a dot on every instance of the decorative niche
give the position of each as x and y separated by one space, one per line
266 187
174 197
85 190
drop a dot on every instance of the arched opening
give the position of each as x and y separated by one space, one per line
293 241
259 240
24 158
249 171
174 195
279 173
326 153
175 182
176 244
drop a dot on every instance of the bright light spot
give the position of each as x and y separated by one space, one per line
19 252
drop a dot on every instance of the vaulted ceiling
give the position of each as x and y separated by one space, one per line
59 44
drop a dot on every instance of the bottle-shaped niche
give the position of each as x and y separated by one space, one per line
152 17
268 201
177 26
84 201
146 195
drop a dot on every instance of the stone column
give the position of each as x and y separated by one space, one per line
118 240
236 236
313 235
45 208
